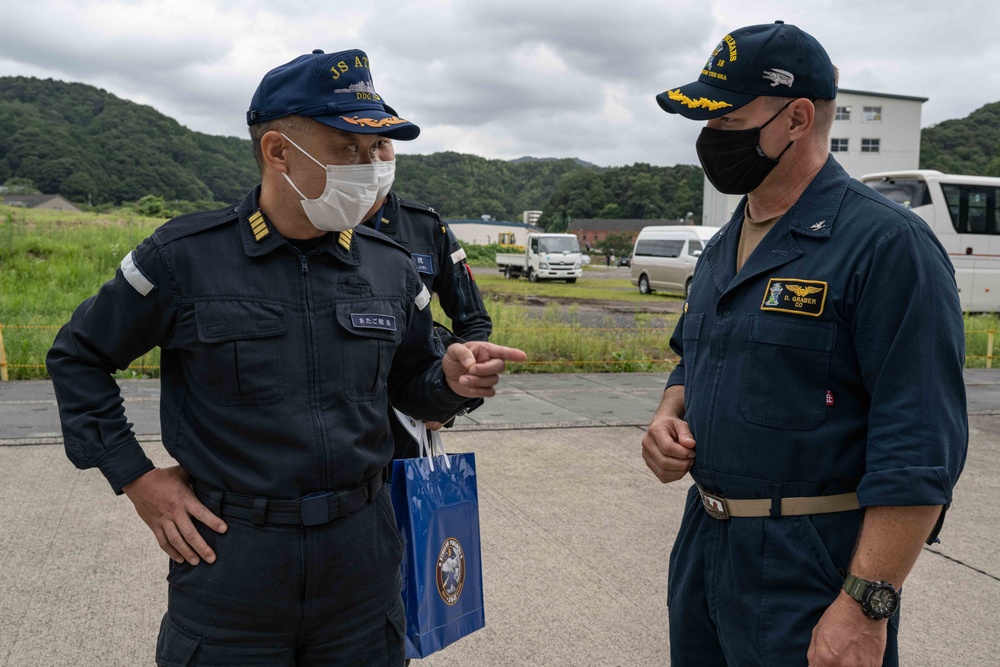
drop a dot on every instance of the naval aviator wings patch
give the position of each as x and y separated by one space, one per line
795 295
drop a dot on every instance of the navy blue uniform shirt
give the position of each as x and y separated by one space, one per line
833 360
440 261
276 367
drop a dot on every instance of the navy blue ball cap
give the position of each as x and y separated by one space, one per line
774 59
335 89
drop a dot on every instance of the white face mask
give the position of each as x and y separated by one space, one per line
351 190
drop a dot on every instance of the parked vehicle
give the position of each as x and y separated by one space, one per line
624 261
546 257
664 257
963 212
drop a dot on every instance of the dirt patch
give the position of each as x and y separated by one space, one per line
597 313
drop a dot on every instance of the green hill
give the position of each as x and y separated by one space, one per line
85 143
91 146
969 145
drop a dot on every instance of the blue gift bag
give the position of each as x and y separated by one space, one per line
436 502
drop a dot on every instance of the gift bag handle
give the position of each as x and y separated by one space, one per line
429 442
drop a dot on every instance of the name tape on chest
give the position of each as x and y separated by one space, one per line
139 282
373 321
424 263
795 295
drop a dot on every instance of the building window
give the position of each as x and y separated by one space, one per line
872 115
870 145
838 145
843 113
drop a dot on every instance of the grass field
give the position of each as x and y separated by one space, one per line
50 262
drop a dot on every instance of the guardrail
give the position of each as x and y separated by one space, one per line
616 362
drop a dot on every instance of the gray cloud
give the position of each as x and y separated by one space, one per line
501 79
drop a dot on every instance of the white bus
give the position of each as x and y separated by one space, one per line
963 212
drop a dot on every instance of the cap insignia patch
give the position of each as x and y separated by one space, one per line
779 76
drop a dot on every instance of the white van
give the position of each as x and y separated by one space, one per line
964 212
664 257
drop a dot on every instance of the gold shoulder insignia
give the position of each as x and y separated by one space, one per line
345 239
799 290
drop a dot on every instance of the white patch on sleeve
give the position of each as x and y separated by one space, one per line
423 298
135 277
458 256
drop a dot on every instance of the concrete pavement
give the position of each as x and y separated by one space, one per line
575 536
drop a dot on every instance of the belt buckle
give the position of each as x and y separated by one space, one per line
315 509
715 506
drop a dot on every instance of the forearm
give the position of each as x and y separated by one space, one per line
891 540
671 403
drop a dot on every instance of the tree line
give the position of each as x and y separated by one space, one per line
97 149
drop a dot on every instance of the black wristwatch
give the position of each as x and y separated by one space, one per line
878 599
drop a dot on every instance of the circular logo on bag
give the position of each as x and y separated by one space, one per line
450 571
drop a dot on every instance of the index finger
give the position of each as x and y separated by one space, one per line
486 368
506 353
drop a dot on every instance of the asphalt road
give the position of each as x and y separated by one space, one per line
575 536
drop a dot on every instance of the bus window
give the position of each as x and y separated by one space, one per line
906 192
973 208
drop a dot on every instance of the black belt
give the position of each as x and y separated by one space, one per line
312 510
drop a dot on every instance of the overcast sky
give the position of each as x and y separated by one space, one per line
497 78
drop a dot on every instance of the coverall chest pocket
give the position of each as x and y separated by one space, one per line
787 371
372 331
691 334
241 356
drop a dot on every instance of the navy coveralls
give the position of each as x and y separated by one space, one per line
440 261
276 372
832 362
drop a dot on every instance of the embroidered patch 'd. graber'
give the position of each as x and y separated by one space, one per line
373 321
794 295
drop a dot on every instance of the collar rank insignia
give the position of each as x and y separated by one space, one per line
345 239
793 295
258 225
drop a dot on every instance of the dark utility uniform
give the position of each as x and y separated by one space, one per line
276 372
831 363
440 261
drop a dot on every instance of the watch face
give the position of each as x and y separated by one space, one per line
883 602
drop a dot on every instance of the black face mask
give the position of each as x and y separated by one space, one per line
733 160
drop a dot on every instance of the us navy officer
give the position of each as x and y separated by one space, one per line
819 404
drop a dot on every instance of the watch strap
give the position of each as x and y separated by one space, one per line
855 586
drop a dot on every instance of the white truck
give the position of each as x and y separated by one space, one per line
546 257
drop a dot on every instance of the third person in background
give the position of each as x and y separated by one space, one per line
443 269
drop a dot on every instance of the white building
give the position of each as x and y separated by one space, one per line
871 132
530 217
482 232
